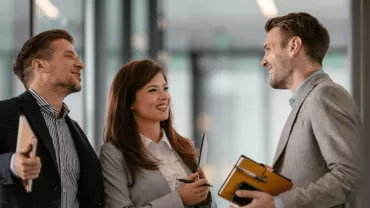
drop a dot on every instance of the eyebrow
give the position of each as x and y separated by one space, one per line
70 52
155 86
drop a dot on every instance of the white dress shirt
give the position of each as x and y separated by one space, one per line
169 164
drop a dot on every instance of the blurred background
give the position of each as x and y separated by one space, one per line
212 51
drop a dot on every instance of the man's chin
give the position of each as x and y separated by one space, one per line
276 85
75 88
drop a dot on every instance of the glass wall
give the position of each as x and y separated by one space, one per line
234 102
15 30
179 78
139 38
111 56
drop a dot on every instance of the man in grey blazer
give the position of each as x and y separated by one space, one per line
319 146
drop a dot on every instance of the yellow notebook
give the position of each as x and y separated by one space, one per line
255 175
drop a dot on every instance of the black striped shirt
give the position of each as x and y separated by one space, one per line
65 150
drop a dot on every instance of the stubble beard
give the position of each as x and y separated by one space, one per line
68 88
279 78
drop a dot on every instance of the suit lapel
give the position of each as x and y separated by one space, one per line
33 114
84 157
90 178
286 132
83 149
293 115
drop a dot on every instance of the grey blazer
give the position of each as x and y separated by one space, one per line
150 190
319 147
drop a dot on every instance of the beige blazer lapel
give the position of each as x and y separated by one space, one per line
293 115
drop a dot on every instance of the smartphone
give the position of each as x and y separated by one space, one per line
243 201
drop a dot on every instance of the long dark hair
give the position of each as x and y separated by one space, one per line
121 128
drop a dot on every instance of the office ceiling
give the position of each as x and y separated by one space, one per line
205 23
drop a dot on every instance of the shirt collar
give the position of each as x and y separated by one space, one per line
146 141
296 93
46 106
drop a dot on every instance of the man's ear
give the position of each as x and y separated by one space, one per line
38 64
295 45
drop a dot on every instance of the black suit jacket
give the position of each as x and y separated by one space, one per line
47 187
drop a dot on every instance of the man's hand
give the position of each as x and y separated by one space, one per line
269 168
260 199
27 168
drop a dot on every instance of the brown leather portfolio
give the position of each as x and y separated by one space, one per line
256 175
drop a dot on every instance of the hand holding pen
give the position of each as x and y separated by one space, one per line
193 192
200 176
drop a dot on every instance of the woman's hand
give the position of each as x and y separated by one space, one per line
201 174
193 193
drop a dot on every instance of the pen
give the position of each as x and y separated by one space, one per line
189 181
251 174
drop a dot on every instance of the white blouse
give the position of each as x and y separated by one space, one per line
169 164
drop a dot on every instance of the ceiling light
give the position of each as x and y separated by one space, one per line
268 8
48 8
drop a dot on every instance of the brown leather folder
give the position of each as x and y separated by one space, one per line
256 175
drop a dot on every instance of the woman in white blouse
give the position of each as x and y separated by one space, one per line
143 155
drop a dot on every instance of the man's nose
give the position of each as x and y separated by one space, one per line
79 64
264 62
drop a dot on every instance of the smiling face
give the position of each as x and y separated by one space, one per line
153 101
277 60
63 70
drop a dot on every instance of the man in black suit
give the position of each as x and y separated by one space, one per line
66 172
